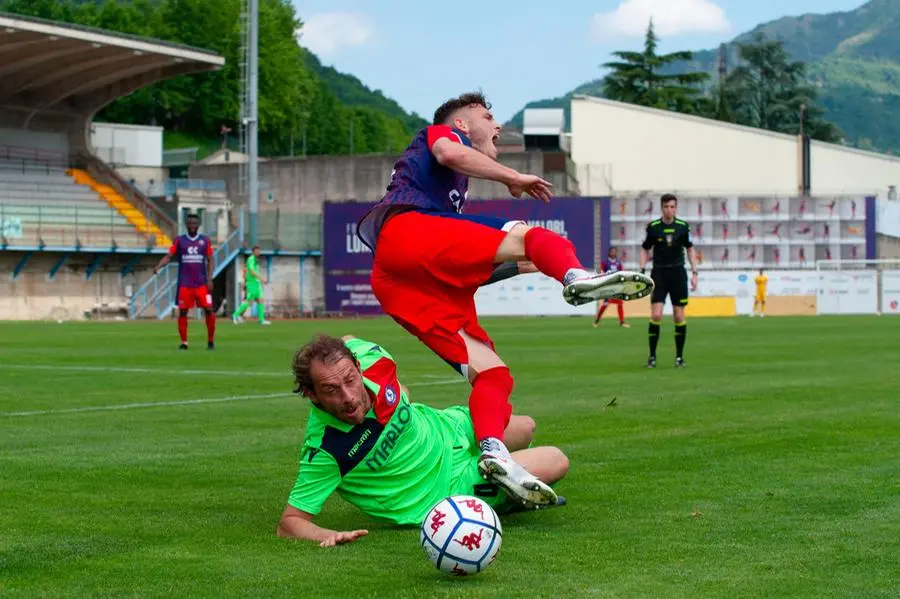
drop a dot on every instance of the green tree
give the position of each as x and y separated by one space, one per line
296 94
638 78
769 91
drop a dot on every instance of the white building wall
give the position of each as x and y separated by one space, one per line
836 169
622 148
132 145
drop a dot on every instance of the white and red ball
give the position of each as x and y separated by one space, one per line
461 535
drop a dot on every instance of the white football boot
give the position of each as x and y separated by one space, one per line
497 466
582 286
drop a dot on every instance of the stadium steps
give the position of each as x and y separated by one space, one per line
134 216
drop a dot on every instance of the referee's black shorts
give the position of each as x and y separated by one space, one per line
672 282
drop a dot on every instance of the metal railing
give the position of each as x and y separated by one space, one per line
160 291
172 186
70 226
103 173
289 231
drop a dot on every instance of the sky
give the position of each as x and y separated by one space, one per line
422 52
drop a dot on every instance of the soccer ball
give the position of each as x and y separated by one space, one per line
461 535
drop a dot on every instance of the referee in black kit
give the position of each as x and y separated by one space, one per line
668 237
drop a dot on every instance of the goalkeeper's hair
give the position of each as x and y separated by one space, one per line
325 348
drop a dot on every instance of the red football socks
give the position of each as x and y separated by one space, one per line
210 326
182 328
552 254
489 403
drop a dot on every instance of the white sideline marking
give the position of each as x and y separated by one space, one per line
137 370
146 404
184 402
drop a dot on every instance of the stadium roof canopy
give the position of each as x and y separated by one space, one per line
61 70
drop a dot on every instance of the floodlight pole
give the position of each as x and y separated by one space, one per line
253 122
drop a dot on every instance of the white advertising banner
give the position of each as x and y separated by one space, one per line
848 292
532 294
742 285
840 292
890 292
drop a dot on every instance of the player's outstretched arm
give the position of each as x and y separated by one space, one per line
297 524
165 260
473 163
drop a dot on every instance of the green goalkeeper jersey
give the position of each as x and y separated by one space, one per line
252 264
395 465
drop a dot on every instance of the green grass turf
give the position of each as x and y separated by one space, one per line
768 468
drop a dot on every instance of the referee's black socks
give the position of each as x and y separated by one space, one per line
680 337
654 337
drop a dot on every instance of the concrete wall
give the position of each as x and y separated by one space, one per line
622 148
142 175
296 285
35 140
303 184
68 295
887 248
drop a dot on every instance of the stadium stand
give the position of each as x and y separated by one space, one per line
42 205
60 205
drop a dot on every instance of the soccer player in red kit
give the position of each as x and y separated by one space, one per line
430 259
611 264
193 252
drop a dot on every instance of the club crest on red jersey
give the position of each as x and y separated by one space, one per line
390 395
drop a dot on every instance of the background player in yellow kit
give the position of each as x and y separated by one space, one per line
759 302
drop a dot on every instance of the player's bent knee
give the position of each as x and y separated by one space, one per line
519 433
512 248
559 464
499 376
552 466
481 358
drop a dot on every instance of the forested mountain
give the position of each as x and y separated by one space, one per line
853 59
302 104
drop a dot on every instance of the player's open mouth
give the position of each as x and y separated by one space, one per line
495 139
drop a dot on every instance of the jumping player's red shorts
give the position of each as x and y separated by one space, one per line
188 297
426 272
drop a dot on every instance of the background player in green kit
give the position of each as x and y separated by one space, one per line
391 458
253 281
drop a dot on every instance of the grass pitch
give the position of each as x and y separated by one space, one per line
768 468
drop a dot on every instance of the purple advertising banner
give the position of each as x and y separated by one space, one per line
572 218
346 291
350 293
343 248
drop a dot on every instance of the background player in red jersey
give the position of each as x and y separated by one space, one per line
193 252
611 264
430 259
